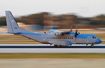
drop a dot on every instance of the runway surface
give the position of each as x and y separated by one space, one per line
46 48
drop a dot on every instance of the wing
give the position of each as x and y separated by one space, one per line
56 32
61 42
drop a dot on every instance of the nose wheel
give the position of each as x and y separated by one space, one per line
92 45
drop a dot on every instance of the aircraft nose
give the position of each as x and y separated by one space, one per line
99 40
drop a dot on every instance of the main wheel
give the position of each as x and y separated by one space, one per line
62 46
91 45
55 45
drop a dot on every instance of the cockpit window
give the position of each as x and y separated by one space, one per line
94 37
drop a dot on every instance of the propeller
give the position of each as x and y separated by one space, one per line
76 32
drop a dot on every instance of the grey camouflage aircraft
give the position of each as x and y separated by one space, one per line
55 37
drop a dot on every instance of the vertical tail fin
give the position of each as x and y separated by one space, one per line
12 24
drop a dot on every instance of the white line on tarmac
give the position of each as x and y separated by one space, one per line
52 50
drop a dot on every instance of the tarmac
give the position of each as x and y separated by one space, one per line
46 48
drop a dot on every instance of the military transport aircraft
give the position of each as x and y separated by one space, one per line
55 37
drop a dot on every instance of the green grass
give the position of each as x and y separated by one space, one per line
51 55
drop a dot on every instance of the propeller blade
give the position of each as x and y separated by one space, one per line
76 32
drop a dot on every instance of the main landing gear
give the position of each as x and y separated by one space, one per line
91 45
58 45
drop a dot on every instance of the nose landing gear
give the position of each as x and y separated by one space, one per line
92 45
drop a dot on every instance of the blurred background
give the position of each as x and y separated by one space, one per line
54 14
47 20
